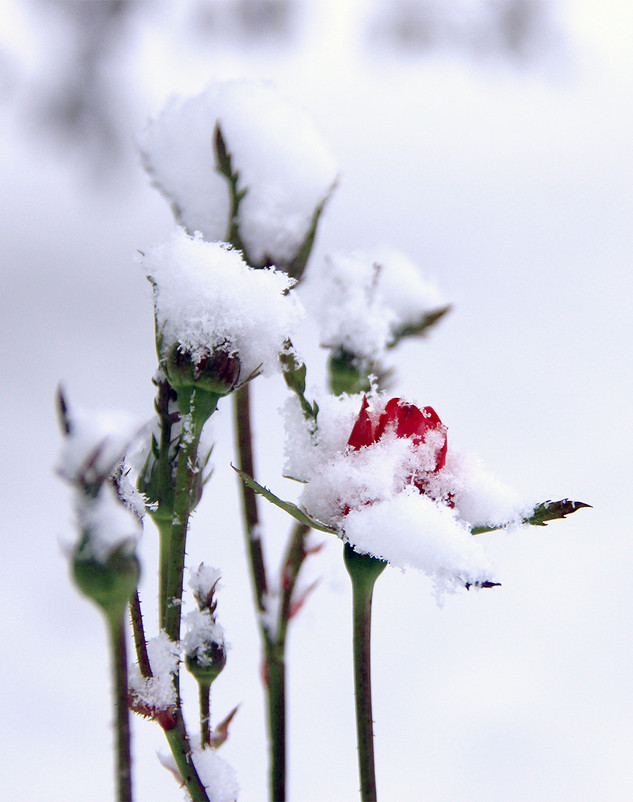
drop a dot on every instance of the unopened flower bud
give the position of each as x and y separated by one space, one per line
348 373
206 665
215 372
109 583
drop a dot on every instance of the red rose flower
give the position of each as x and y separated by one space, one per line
408 421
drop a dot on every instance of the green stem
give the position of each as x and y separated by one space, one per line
181 751
204 689
276 696
273 651
116 627
164 541
246 463
140 641
200 407
363 570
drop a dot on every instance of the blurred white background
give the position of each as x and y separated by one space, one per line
492 142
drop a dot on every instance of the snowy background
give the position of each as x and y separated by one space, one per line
498 156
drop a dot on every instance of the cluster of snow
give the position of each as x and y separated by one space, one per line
107 522
203 580
412 530
369 494
202 632
282 163
207 297
96 443
156 692
202 629
217 775
365 300
93 447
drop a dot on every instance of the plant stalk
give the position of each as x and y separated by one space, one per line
204 690
140 642
181 751
273 655
118 646
363 570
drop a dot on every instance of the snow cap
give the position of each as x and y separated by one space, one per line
281 163
206 298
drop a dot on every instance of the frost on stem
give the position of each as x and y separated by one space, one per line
155 696
212 307
283 171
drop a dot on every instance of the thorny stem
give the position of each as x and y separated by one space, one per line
363 570
275 669
116 627
249 498
139 635
181 751
204 689
276 693
201 407
186 474
163 516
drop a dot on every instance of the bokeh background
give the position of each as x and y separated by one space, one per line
492 142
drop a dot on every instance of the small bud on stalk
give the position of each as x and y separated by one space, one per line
200 380
109 583
207 665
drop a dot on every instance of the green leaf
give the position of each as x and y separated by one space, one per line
296 267
541 515
421 327
292 509
552 510
224 165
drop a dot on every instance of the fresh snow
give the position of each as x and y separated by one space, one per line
91 451
365 299
216 774
107 522
283 165
369 496
156 692
207 297
201 632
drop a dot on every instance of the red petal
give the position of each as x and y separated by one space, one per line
409 421
362 433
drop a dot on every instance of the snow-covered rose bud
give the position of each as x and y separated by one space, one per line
207 663
218 321
203 644
279 172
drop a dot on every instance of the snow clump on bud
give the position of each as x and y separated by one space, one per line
209 302
281 163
